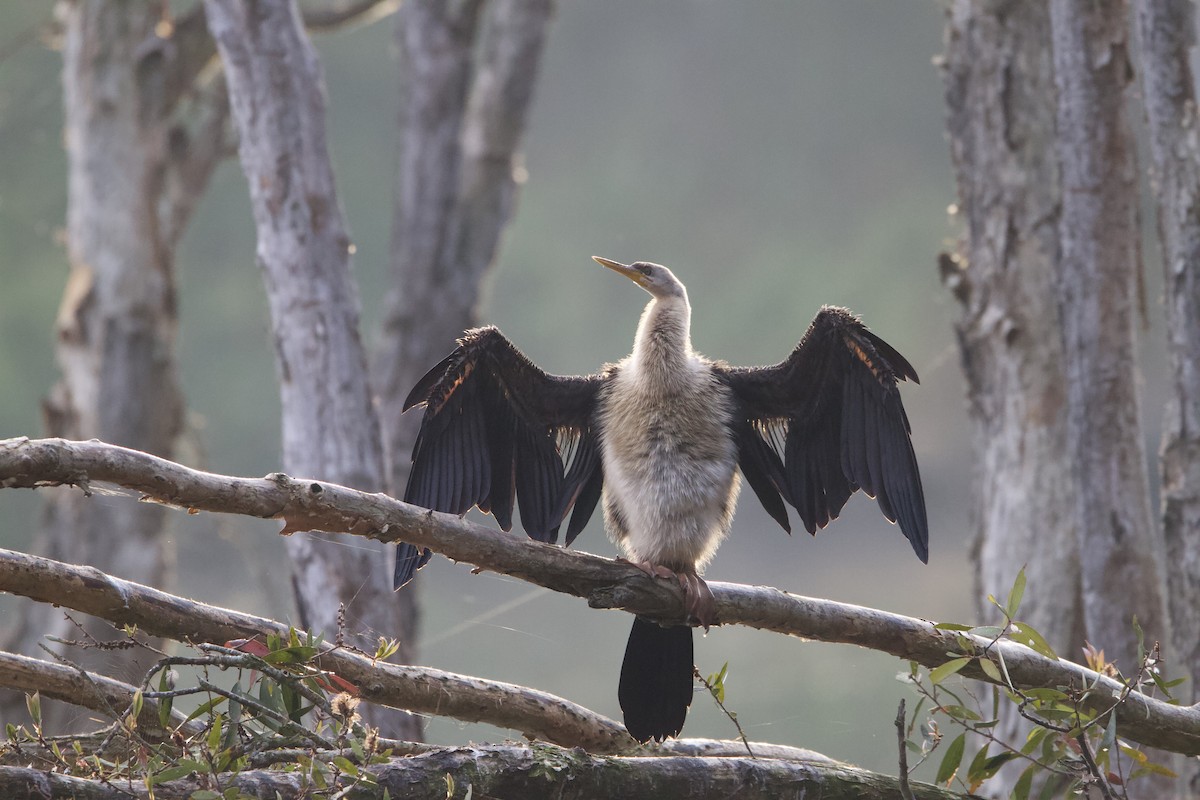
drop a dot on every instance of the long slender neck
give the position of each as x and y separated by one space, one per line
663 344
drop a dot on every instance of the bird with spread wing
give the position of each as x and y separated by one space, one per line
661 437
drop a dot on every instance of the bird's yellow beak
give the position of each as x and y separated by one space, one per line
627 271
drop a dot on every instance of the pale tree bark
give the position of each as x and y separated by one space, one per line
467 72
1166 35
304 503
530 772
1049 280
140 150
999 83
330 427
1120 546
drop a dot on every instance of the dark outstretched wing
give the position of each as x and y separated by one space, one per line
827 421
496 429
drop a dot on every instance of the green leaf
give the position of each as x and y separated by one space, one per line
990 669
1034 739
136 710
717 681
976 765
386 648
1110 733
951 626
1141 639
346 765
205 707
296 654
993 765
1015 594
959 712
1164 685
940 673
1045 695
33 703
164 703
988 631
214 734
1025 782
951 760
1152 769
1028 636
204 794
235 717
170 774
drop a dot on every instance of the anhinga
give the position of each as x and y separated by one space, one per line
661 436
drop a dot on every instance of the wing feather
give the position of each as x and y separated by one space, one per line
489 439
836 402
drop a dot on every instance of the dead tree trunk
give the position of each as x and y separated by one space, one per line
1049 282
467 73
1166 35
1000 94
135 172
1099 274
330 428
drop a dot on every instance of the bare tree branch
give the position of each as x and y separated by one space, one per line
505 770
104 695
429 691
309 504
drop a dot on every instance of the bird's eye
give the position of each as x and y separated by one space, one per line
642 268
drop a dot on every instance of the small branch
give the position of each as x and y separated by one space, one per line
93 692
315 505
902 741
1085 750
355 14
721 705
536 714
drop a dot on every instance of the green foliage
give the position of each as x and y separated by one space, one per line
1072 745
296 707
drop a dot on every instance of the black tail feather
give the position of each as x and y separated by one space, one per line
656 680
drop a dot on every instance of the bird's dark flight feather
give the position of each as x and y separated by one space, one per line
827 421
490 436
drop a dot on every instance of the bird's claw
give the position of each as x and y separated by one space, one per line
701 606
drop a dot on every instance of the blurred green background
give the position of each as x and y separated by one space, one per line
776 154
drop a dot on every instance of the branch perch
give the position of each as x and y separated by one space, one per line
504 770
315 505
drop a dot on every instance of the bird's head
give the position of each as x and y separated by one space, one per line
654 278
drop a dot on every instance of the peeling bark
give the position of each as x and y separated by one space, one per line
137 164
330 426
1166 34
1000 95
1099 274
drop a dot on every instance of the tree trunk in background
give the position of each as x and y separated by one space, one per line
1166 34
134 176
1099 281
467 72
1000 94
330 428
1048 278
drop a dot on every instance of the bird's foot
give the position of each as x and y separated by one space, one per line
701 606
652 570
